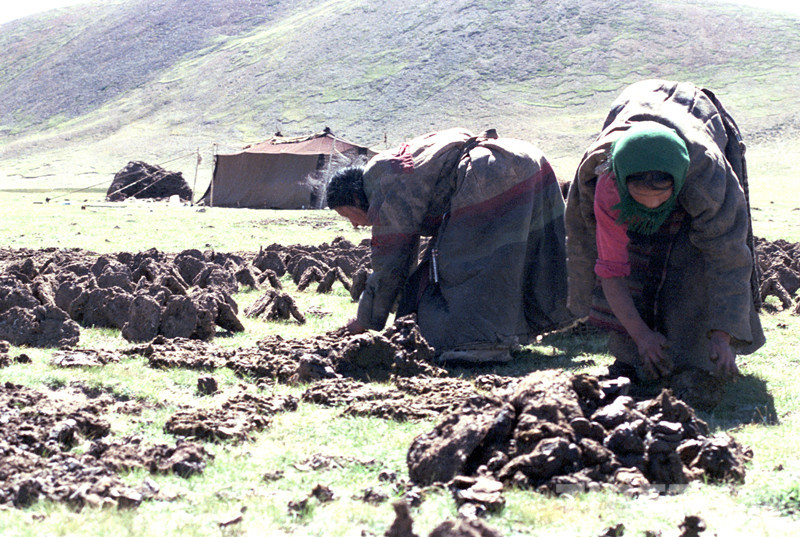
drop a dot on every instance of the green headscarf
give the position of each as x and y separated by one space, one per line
648 146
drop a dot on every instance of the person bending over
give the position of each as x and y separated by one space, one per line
492 274
661 215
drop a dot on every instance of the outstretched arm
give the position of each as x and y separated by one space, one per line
649 343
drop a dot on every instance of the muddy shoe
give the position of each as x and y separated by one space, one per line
699 388
638 387
621 369
475 356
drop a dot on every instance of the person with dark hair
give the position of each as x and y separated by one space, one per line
492 275
659 240
347 189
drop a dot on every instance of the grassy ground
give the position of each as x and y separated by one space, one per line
762 410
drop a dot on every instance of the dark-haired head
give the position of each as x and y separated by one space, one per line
652 180
346 188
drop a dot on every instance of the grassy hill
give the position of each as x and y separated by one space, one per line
85 89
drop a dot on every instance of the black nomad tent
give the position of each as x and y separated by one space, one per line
281 173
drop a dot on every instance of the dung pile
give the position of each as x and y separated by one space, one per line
232 417
559 434
400 350
274 305
141 180
779 263
55 446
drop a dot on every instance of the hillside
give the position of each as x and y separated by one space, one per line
85 89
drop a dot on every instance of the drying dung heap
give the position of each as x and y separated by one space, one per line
556 433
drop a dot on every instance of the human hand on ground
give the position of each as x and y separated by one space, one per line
355 327
651 345
722 354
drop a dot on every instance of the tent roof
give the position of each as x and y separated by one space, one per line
320 143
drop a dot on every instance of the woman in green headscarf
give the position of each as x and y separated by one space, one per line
659 243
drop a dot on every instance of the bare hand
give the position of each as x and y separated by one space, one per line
651 345
355 327
723 356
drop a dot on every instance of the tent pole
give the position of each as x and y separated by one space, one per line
196 167
213 173
321 201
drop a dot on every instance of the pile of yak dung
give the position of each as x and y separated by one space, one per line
400 350
559 434
779 263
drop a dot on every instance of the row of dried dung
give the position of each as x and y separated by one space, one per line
341 258
560 434
57 445
324 265
42 301
46 294
148 294
779 263
316 267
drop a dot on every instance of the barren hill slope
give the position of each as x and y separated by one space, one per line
153 78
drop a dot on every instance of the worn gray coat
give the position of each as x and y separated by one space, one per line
707 282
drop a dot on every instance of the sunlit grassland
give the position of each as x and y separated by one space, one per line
84 220
774 197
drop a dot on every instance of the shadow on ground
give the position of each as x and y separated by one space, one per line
583 349
746 401
572 350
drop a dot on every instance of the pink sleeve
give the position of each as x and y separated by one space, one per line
612 238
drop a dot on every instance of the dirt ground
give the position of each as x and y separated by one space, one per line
550 432
38 459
